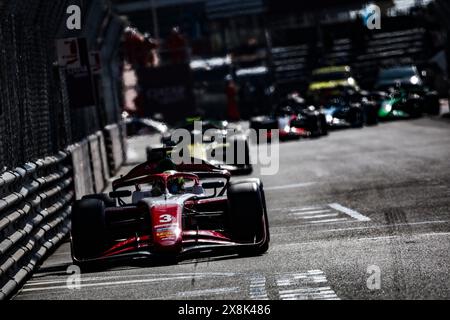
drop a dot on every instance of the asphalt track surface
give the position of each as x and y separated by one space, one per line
345 211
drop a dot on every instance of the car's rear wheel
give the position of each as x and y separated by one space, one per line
356 118
371 116
88 229
323 125
432 104
248 215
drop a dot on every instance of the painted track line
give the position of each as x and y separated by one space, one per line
301 213
321 216
329 220
352 213
37 282
114 283
310 285
290 186
382 226
258 288
206 292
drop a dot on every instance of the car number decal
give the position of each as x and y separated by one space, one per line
165 218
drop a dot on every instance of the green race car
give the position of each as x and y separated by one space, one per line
407 96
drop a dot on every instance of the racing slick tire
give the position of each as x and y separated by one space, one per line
371 116
242 168
356 118
248 215
432 104
88 232
323 125
109 202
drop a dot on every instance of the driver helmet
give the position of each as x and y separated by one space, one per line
176 186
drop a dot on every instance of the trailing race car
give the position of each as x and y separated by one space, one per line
348 109
211 141
400 104
408 96
330 78
170 211
303 116
143 126
294 119
345 105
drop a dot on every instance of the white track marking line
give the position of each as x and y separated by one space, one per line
111 283
258 288
38 282
306 225
328 220
305 289
303 209
291 209
305 213
378 238
301 290
290 186
352 213
382 226
321 216
200 293
437 234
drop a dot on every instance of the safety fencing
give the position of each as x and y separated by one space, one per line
37 113
36 199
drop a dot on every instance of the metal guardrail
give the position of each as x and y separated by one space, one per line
35 209
36 199
114 140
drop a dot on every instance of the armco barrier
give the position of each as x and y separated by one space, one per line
114 147
82 170
35 207
102 145
96 163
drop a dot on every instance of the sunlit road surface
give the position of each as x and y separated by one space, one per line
361 214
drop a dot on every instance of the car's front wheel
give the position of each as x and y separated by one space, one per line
88 232
248 215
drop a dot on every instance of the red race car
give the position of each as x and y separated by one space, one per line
160 209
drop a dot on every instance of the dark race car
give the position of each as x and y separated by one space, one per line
212 141
303 115
163 210
144 126
346 107
401 104
294 119
344 110
408 96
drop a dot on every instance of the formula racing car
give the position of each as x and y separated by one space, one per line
214 141
294 119
408 96
160 209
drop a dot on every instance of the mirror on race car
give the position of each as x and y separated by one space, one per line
120 194
213 185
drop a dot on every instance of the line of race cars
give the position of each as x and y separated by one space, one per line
170 210
334 100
